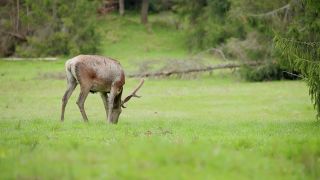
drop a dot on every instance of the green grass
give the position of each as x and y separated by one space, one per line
214 126
128 41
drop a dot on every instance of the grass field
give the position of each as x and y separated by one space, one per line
214 126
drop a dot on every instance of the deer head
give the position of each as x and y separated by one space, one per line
119 104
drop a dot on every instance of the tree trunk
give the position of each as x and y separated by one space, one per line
28 26
144 11
54 9
121 7
18 16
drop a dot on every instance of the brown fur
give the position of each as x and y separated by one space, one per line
95 74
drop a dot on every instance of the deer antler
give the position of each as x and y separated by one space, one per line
133 94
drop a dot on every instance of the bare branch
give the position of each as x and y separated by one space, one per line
292 74
271 13
217 50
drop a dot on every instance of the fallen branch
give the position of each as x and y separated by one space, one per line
272 13
219 51
208 68
16 35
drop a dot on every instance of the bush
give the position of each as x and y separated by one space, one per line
207 22
56 28
255 47
235 27
265 72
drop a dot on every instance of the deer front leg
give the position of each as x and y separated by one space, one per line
104 97
111 98
82 98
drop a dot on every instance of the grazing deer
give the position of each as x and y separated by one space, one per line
97 74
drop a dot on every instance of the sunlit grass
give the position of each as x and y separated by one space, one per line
128 41
213 126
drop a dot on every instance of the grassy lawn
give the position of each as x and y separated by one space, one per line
126 39
215 126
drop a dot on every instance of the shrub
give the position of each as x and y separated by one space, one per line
206 19
266 72
56 28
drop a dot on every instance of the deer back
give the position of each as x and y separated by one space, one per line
98 71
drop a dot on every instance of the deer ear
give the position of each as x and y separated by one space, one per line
120 90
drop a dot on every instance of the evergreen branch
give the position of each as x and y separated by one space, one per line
292 74
312 43
303 57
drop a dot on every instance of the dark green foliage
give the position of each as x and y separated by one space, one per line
55 27
132 4
266 72
161 5
303 57
207 22
253 15
256 47
299 47
233 26
155 6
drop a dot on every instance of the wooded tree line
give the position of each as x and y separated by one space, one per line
35 28
242 29
279 35
245 29
283 34
48 27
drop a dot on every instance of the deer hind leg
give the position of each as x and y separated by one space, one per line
72 84
104 97
82 98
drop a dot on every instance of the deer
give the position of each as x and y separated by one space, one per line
97 74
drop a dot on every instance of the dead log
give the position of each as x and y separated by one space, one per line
16 35
186 71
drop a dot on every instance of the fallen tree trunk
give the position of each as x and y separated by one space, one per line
16 35
208 68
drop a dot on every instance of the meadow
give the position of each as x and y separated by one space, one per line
212 126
